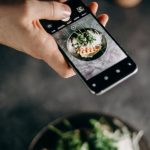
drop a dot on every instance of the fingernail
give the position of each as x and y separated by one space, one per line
66 11
62 1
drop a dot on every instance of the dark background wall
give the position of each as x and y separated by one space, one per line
31 94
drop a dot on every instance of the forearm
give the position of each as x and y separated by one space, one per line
7 23
1 41
2 34
1 26
5 3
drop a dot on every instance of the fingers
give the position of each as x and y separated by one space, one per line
48 50
53 57
62 1
56 11
52 10
93 7
103 19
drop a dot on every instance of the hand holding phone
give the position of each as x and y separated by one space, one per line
57 62
90 49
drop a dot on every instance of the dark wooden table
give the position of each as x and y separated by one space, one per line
31 94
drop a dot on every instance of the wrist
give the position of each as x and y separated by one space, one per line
1 34
2 24
1 29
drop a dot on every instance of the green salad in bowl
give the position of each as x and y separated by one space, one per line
89 131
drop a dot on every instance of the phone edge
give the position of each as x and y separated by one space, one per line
116 83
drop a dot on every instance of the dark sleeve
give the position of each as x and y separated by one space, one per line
11 1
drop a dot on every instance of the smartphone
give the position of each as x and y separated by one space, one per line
90 49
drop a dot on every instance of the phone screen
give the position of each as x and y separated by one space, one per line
85 42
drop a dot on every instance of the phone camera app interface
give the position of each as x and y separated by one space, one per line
85 42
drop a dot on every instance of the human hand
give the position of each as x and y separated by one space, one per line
20 29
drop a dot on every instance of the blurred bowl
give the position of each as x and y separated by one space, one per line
46 137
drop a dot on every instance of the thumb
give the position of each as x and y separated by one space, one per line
52 10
